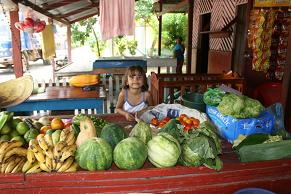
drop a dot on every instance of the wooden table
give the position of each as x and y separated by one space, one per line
62 98
272 175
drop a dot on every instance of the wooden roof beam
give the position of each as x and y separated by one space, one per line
44 12
83 18
177 6
58 4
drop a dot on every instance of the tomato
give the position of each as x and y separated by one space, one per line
183 115
155 121
162 124
187 128
188 122
167 118
196 123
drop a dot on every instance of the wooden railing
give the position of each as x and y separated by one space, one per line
164 85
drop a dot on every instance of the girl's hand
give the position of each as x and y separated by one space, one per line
129 117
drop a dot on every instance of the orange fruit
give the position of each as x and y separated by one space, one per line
57 123
44 129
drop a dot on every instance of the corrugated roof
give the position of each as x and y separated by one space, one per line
65 11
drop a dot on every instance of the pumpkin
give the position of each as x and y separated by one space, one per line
130 154
113 134
94 154
84 80
163 150
143 131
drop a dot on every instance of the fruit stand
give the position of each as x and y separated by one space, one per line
274 175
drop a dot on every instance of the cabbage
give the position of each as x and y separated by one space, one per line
239 106
198 150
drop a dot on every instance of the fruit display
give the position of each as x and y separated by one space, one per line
52 152
12 156
53 144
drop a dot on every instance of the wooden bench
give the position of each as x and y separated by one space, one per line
163 85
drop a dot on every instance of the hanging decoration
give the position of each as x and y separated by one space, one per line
31 24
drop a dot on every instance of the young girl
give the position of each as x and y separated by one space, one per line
135 95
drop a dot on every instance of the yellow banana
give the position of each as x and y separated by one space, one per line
17 151
42 143
4 165
39 156
43 167
48 163
64 134
66 165
14 144
35 168
27 165
72 168
49 140
59 165
30 156
49 153
19 166
54 164
68 151
12 164
3 146
58 149
2 142
33 145
71 139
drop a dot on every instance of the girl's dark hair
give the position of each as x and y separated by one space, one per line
131 70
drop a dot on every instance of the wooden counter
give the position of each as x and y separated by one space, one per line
272 175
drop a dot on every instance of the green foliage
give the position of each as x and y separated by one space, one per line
131 46
174 25
83 32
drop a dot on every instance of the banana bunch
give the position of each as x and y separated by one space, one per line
46 154
12 156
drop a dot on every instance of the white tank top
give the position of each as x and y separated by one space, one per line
128 107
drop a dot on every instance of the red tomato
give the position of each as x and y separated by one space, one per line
155 121
187 128
183 115
67 125
196 123
167 118
189 122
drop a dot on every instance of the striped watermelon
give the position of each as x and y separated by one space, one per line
94 154
130 153
113 134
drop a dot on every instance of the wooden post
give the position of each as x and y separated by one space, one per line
160 32
286 85
190 31
16 44
69 42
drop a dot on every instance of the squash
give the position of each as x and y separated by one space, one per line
84 80
87 131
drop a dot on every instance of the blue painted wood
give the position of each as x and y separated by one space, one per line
118 63
60 104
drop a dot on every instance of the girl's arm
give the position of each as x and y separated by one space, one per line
119 107
149 99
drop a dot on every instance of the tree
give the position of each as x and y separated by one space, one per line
82 31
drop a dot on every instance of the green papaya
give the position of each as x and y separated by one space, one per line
31 134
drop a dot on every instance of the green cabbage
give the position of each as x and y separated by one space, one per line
239 106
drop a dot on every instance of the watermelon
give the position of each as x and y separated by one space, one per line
94 154
130 154
163 150
143 131
113 134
